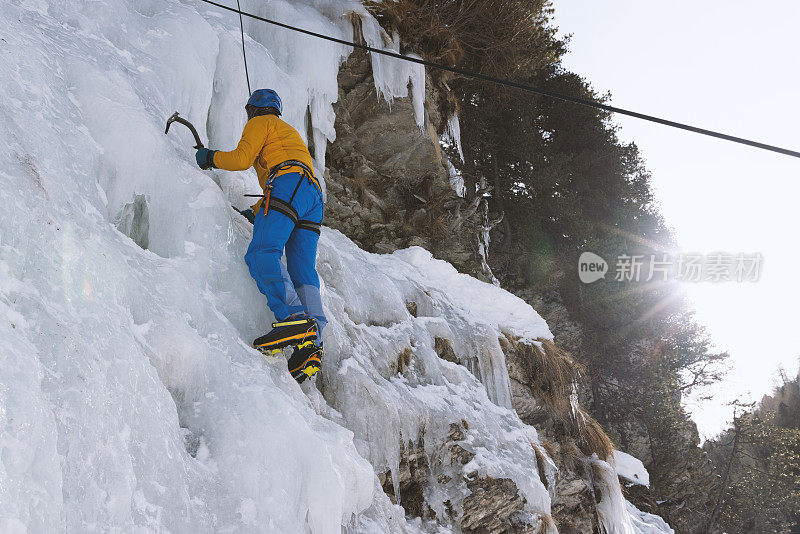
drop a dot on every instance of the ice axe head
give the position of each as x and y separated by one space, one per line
177 118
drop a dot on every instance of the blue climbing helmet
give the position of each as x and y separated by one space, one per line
266 98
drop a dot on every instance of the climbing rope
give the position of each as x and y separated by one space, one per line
517 85
244 54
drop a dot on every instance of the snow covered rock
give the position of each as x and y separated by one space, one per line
630 468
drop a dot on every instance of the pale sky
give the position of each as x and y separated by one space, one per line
730 66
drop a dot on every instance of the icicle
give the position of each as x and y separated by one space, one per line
454 134
612 515
392 76
483 237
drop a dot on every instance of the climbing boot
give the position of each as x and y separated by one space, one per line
294 330
306 361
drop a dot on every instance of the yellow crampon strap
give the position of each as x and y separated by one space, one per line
311 370
290 323
306 344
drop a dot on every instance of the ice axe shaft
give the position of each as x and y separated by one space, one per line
177 118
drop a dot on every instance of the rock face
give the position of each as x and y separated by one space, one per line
573 506
680 483
543 394
477 504
494 505
388 183
389 188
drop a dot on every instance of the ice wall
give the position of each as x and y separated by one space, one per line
130 399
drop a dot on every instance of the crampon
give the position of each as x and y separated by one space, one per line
295 330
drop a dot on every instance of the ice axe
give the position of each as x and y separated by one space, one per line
177 118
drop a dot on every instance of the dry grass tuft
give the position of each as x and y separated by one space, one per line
413 193
497 33
591 437
439 228
495 37
403 360
549 372
550 447
436 223
552 376
541 462
425 28
444 349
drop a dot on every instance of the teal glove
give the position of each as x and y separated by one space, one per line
205 158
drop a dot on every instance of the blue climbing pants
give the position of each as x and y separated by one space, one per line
292 223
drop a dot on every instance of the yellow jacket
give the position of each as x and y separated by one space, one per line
266 141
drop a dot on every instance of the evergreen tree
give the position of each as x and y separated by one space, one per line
759 466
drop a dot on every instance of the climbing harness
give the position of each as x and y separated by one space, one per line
281 206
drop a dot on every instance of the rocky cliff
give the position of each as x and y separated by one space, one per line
390 187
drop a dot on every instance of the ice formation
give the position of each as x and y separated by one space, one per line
615 514
451 138
130 398
453 133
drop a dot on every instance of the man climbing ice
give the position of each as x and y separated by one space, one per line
288 216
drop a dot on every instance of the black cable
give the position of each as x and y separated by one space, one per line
244 54
528 88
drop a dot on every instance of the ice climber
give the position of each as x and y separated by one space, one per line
287 217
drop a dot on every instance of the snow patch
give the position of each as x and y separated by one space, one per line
630 468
